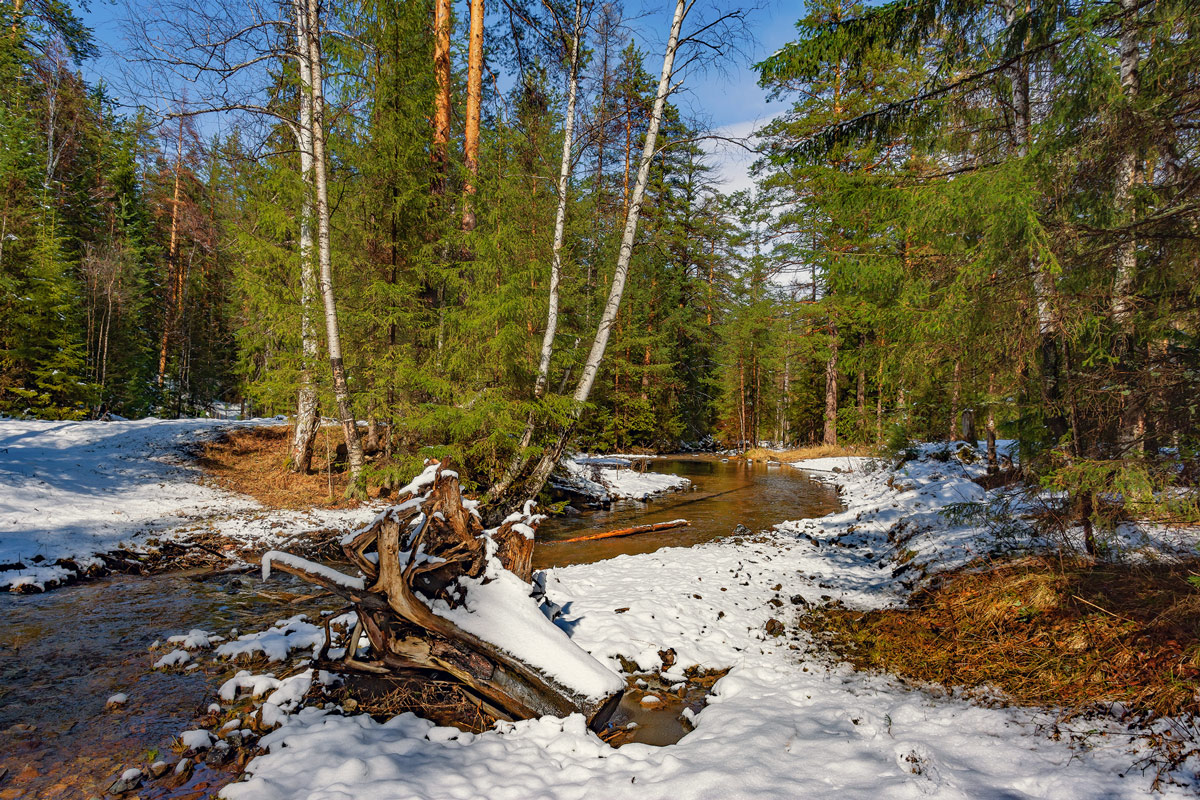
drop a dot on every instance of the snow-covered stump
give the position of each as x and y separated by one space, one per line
442 598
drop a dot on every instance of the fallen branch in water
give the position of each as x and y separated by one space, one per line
651 528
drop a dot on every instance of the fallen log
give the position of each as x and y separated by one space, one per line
440 598
651 528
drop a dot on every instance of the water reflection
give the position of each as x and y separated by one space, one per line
724 495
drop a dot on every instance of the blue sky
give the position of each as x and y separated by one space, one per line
727 99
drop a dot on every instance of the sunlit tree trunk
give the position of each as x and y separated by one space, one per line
560 223
831 388
341 389
441 67
307 420
474 102
171 310
608 317
1131 434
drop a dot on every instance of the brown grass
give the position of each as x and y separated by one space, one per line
1070 635
815 451
253 461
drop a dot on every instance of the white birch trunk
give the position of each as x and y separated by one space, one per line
560 216
306 403
609 316
341 389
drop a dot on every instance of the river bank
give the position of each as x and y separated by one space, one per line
728 608
785 720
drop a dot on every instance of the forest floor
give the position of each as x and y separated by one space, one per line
776 614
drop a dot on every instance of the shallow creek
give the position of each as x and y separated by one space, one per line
62 654
725 493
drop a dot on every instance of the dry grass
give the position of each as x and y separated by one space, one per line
1069 635
253 461
815 451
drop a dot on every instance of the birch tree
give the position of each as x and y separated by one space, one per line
320 185
587 379
307 421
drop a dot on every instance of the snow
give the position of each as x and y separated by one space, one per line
276 642
500 611
256 684
296 562
291 690
783 722
118 699
196 639
196 739
614 478
174 658
74 490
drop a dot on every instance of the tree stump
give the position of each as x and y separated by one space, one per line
443 598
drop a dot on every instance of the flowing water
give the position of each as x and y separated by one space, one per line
724 494
64 653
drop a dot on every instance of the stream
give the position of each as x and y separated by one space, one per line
64 653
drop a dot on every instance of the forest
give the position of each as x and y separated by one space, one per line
494 242
438 399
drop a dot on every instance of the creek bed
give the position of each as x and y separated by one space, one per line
724 495
65 652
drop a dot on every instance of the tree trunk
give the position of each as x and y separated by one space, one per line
307 420
519 461
474 101
560 214
341 389
1131 434
831 388
170 312
441 118
431 551
955 396
608 317
1044 289
993 462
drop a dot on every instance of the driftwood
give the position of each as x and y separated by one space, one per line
431 552
651 528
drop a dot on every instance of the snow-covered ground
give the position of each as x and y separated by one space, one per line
72 490
782 724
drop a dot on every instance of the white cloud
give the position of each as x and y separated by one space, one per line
732 159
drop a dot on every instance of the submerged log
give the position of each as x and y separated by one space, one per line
442 597
650 528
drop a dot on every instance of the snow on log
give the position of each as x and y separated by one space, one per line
443 597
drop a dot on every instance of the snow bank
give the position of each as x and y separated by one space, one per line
72 490
614 478
782 723
502 612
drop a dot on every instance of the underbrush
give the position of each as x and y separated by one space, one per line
1074 635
